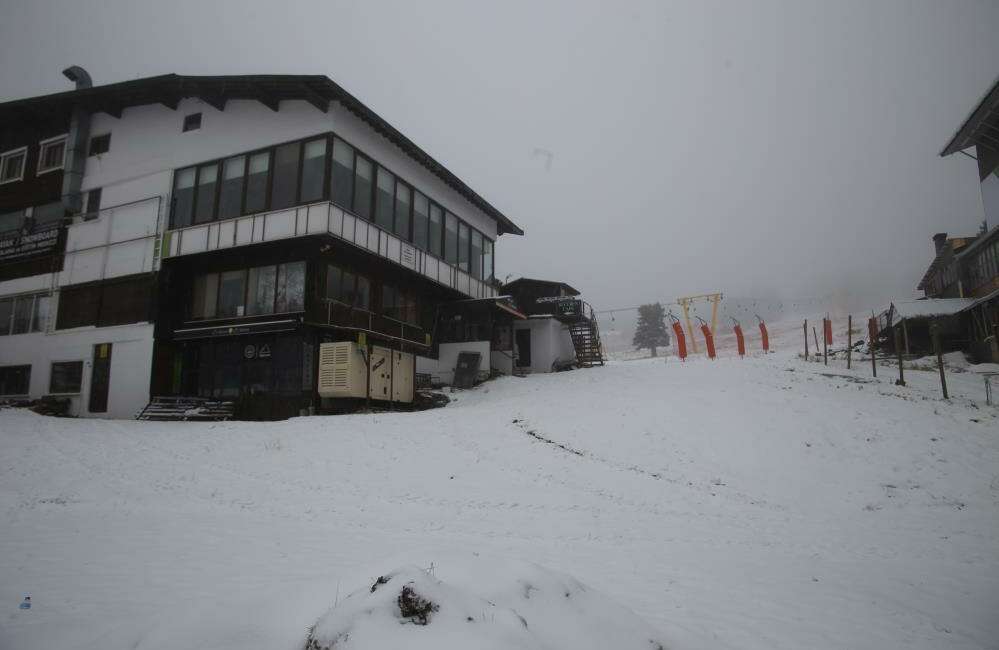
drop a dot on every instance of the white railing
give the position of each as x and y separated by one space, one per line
316 219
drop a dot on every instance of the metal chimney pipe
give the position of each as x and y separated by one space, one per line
76 144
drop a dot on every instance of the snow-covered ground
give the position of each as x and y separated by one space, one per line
742 503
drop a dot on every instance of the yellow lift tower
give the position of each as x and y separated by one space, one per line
714 299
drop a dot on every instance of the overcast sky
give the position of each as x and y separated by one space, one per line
648 149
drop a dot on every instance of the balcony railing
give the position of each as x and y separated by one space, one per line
339 314
317 219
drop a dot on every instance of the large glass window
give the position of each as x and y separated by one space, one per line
403 199
384 199
261 287
256 182
11 220
421 213
436 235
451 239
285 186
390 301
12 165
231 194
48 215
463 246
66 377
362 293
6 313
313 170
487 260
40 314
183 197
342 183
291 287
475 257
362 187
23 306
231 293
206 293
208 176
15 380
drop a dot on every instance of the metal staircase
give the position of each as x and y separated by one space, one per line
585 335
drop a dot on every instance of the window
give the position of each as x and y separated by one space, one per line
403 199
262 284
390 301
183 197
463 246
291 287
100 144
475 256
66 377
23 314
52 154
204 203
11 220
206 294
125 301
12 165
231 284
363 175
50 214
15 380
93 208
451 239
231 191
313 171
40 313
488 272
421 213
436 229
6 314
384 199
348 288
192 122
342 183
284 192
256 182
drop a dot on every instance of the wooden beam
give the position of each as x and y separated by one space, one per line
215 101
315 98
266 98
171 102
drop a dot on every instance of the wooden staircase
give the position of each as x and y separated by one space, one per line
586 339
183 409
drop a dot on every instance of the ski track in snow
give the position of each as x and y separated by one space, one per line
742 503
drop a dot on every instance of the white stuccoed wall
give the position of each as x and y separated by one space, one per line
550 341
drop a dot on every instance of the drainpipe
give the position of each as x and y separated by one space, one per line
76 145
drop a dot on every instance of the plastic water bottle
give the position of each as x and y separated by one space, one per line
26 603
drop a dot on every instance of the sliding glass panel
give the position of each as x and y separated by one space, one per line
23 306
342 183
231 293
204 207
6 312
451 239
40 317
487 260
261 285
334 278
183 197
346 294
403 198
384 199
363 293
231 194
256 182
436 235
291 287
421 210
206 292
313 170
463 246
285 185
475 258
390 301
363 175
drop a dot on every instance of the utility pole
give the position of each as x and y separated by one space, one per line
849 339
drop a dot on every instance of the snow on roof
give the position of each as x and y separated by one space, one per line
930 307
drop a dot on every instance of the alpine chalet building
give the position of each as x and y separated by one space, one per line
205 236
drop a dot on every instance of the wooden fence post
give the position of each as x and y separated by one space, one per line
849 339
815 337
825 342
806 339
935 333
898 354
872 336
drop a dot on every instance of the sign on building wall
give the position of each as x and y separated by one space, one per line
29 245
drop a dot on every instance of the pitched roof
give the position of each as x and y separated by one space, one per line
522 281
269 90
914 309
981 127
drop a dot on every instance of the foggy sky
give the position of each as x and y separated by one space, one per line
756 148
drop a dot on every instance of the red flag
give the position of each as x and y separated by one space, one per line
739 340
709 341
827 330
764 336
681 342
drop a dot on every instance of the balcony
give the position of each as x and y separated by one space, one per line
322 218
344 316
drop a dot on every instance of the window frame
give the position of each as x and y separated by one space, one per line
23 151
8 367
185 128
97 138
52 364
64 139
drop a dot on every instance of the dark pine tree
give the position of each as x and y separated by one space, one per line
651 331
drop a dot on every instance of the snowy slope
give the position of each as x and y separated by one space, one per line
742 503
